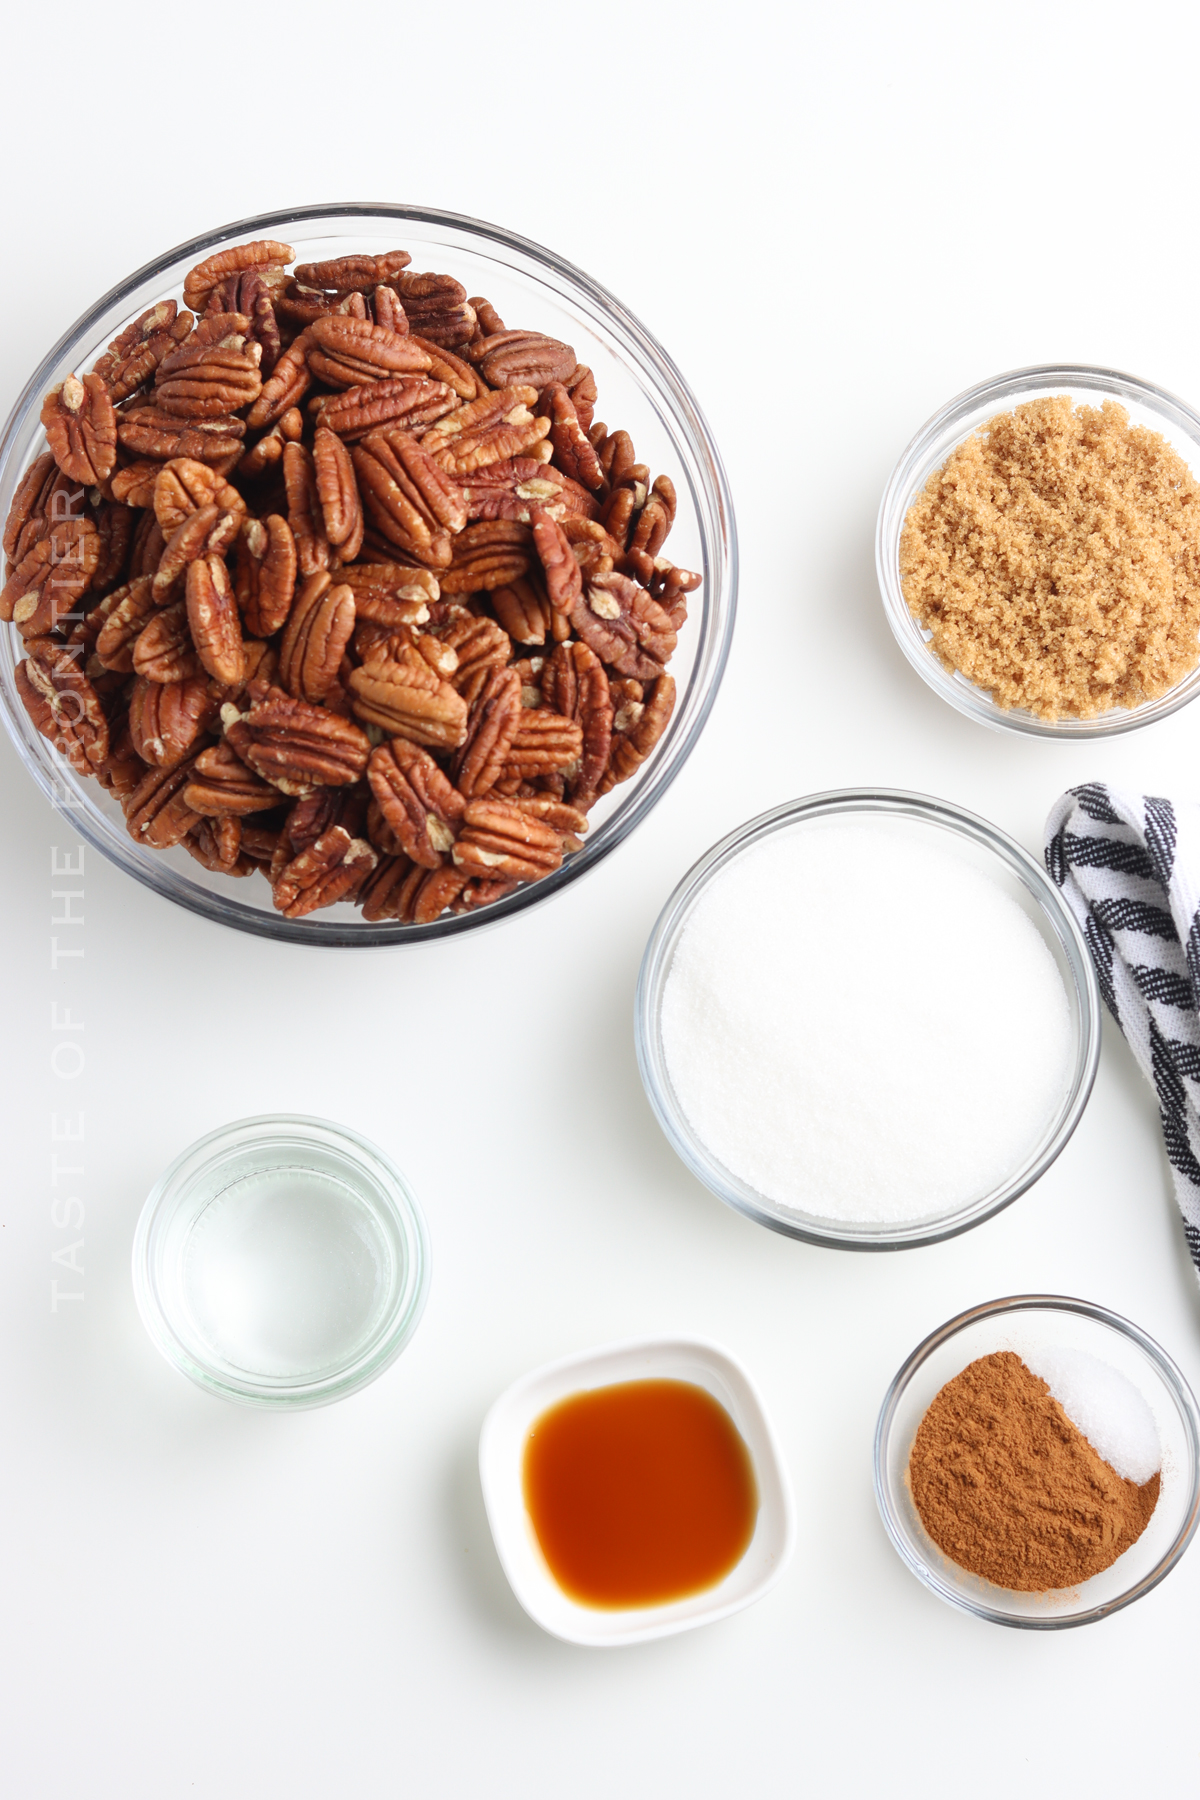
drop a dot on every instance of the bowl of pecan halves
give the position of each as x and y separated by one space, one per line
336 611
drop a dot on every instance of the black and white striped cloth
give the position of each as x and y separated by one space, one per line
1128 866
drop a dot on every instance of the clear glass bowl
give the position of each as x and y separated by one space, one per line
1147 405
986 848
641 390
281 1261
1024 1323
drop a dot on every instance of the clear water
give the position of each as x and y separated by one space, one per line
286 1273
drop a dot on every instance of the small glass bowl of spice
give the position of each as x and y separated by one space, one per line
1037 1462
1038 552
866 1019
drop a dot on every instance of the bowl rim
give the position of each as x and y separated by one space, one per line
649 1358
913 468
408 1220
655 968
717 530
1167 1369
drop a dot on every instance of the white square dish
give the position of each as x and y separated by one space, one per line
502 1447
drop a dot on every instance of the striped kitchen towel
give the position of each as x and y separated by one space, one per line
1128 866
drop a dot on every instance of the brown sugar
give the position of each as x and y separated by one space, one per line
1055 558
1009 1488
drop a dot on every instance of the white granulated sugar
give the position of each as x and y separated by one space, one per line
863 1026
1103 1404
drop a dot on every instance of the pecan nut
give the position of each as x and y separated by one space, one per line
208 381
352 274
408 699
221 785
345 352
284 387
491 554
543 743
212 615
521 358
319 628
327 871
637 729
572 447
156 812
41 592
265 574
437 308
163 650
205 533
304 510
298 747
564 580
413 402
411 501
488 430
63 704
626 628
80 423
132 358
500 841
166 718
148 431
492 727
184 486
126 611
337 491
262 254
575 684
419 803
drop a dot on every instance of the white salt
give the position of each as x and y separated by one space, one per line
863 1026
1102 1403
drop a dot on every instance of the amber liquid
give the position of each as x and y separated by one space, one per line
639 1493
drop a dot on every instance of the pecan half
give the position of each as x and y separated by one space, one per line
384 892
519 358
81 427
480 646
564 581
492 554
409 700
492 726
445 366
207 381
150 432
133 484
164 650
498 840
626 628
184 486
410 500
132 358
126 611
304 510
352 274
515 489
337 491
639 727
263 253
167 717
420 805
297 747
488 430
319 628
427 893
213 617
251 294
28 519
344 352
437 308
575 684
265 573
413 402
284 387
523 611
222 785
63 704
156 811
205 533
572 450
42 590
544 742
324 873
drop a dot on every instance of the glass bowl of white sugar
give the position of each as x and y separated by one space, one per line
867 1019
281 1262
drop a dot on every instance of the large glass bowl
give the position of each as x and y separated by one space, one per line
918 819
1023 1324
641 391
1146 405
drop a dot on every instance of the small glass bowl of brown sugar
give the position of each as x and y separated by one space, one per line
1038 552
1112 1364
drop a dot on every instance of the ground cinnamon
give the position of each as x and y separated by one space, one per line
1009 1488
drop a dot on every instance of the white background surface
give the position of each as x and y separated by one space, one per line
835 218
